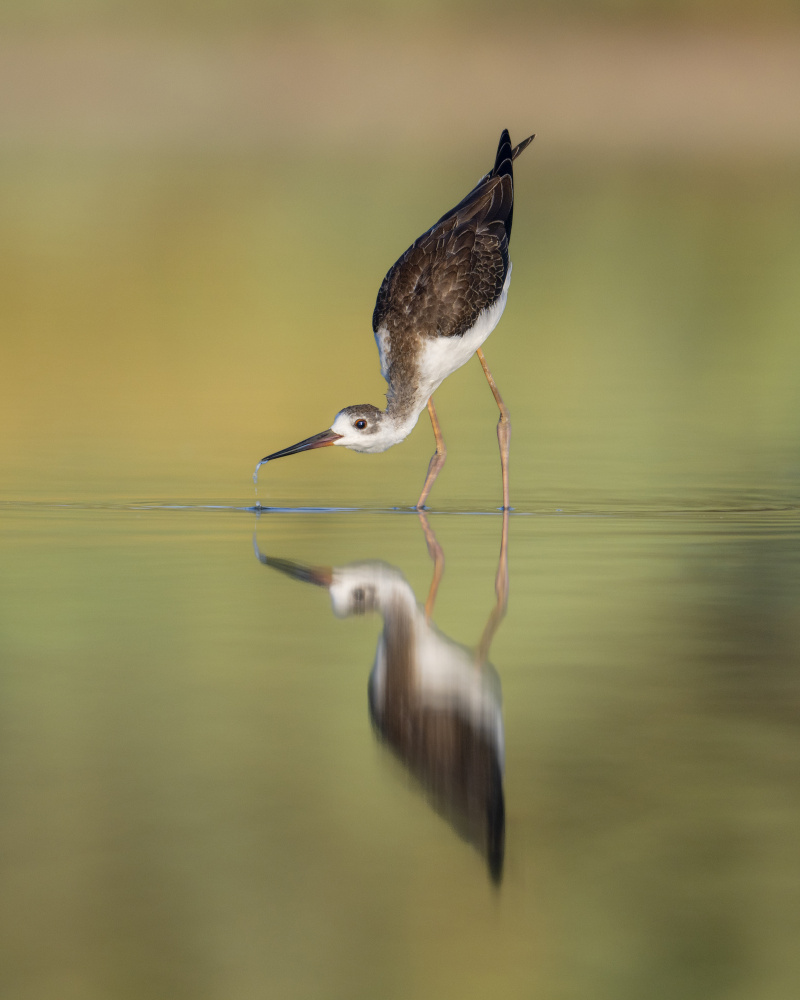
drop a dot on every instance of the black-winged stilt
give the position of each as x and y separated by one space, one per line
435 308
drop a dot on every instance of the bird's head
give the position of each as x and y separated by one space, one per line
361 428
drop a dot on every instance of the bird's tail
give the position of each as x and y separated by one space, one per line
506 155
502 168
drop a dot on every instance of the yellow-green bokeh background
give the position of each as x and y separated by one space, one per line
197 211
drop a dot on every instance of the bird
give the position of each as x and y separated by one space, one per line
435 308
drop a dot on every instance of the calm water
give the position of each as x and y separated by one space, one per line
197 802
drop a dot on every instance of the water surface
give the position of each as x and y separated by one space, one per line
198 804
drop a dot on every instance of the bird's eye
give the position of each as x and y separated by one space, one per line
361 424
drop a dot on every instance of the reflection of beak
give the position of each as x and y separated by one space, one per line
321 440
322 576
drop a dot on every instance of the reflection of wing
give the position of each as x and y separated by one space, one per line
433 703
441 715
437 709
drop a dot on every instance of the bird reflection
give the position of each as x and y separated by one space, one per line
437 704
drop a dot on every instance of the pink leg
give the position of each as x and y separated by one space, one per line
503 428
437 459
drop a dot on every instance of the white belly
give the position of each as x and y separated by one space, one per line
443 356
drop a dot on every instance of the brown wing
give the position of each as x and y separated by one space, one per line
457 268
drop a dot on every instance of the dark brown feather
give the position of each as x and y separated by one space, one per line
455 270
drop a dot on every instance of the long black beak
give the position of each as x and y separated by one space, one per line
321 440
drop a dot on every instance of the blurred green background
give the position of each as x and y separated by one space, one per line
199 203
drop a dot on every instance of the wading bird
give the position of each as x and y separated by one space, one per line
435 308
